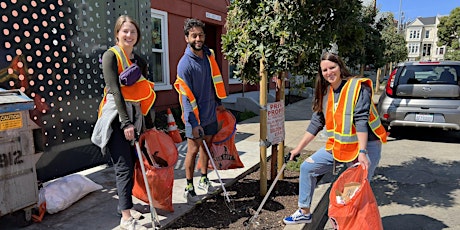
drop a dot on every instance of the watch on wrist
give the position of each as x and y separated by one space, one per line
363 151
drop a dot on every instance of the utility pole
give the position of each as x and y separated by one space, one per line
399 15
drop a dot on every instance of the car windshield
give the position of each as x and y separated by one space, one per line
429 74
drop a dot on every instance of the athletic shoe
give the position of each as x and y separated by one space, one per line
135 214
206 186
298 218
191 196
131 224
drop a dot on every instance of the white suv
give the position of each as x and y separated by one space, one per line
422 94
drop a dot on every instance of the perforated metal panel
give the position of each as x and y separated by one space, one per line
50 50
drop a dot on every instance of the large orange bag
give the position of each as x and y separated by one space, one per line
223 149
361 211
160 156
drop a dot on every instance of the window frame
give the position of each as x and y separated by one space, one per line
165 84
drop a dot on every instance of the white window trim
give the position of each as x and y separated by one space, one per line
233 81
165 85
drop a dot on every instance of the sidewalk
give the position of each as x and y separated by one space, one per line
97 210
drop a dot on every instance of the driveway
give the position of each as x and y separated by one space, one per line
418 181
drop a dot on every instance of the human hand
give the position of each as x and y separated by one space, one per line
220 108
293 156
129 132
198 132
364 160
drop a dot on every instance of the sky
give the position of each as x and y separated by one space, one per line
416 8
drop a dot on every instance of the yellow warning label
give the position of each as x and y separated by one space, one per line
10 121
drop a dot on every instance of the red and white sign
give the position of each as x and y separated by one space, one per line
275 122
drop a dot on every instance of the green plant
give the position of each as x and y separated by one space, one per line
245 115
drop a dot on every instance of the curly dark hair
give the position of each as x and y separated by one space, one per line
192 22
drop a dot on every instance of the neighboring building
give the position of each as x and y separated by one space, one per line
422 37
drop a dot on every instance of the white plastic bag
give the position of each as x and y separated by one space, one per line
63 192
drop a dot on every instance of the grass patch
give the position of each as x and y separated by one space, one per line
295 165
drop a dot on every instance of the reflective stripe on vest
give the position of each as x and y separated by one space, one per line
219 85
141 91
183 89
341 131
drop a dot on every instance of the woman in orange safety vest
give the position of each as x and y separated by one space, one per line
124 110
342 104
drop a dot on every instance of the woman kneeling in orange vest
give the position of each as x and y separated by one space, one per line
343 104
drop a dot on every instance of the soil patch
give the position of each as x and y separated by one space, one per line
214 212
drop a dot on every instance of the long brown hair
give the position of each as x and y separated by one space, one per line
321 84
122 19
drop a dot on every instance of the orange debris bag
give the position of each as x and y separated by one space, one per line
160 156
223 149
352 203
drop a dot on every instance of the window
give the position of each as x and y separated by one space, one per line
426 50
441 50
414 34
413 48
427 34
159 58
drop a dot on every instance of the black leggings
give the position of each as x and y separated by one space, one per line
123 156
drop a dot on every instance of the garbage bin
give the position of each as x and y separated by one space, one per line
18 155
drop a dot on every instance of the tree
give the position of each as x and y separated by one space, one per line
395 44
289 34
369 46
449 34
279 36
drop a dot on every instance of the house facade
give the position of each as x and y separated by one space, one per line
421 38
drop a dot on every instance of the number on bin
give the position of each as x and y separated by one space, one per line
11 158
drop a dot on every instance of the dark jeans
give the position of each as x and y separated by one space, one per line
123 156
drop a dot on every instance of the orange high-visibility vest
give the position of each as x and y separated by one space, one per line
341 130
183 89
141 91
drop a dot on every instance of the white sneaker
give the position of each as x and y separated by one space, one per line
298 218
206 186
191 197
131 224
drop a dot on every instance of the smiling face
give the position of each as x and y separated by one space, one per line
331 73
127 36
195 38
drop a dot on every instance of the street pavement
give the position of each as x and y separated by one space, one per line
415 188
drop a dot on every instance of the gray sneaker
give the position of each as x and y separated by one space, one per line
191 196
131 224
206 186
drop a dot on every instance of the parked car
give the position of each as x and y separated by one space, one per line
422 94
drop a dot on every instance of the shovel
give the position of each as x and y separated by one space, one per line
153 213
